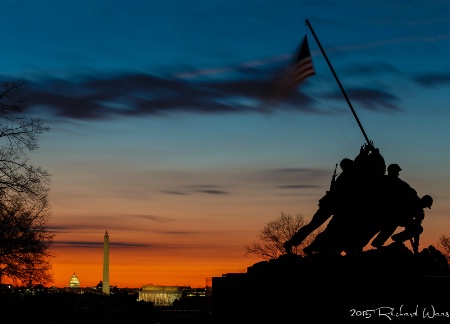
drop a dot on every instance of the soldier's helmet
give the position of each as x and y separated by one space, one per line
346 164
393 169
427 201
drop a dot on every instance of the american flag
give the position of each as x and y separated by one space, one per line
299 70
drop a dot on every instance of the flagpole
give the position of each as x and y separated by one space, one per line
338 82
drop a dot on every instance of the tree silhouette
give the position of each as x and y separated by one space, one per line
444 246
24 208
19 135
25 240
269 244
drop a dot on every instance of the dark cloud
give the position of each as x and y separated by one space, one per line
87 244
288 178
243 90
75 227
374 68
174 192
98 224
304 173
208 189
159 219
213 192
203 186
371 99
138 246
297 178
433 79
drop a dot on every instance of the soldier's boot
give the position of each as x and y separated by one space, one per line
377 243
288 246
401 237
309 250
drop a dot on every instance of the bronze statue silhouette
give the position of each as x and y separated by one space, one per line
406 210
327 204
349 195
395 204
364 202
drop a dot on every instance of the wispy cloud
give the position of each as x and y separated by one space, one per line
209 189
372 99
136 246
433 79
96 245
154 218
230 89
111 96
392 41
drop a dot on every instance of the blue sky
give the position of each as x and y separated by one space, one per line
157 132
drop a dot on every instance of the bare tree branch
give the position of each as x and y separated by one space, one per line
444 246
25 240
24 209
271 238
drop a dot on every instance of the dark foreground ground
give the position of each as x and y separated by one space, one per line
68 308
390 285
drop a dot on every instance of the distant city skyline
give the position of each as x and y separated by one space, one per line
157 131
74 281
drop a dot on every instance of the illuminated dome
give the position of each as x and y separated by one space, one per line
74 282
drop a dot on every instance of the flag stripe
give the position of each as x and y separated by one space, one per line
301 69
304 71
304 66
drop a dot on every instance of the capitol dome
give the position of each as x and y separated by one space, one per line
74 282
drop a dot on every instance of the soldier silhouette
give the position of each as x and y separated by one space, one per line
400 207
404 208
349 205
399 198
413 224
328 204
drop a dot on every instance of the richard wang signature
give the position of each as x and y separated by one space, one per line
402 311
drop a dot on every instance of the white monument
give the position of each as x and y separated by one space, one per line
105 287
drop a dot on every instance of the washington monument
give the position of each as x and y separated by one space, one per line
105 287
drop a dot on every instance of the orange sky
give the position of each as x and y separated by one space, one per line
183 239
135 268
